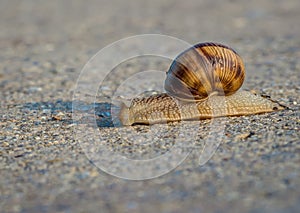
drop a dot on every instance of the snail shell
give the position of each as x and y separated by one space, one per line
204 69
201 83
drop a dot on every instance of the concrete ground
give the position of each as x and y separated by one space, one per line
45 168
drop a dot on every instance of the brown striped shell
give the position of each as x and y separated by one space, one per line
204 69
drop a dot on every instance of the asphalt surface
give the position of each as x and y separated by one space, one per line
54 161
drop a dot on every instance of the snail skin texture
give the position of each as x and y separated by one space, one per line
201 83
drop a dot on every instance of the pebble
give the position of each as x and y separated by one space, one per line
5 144
243 136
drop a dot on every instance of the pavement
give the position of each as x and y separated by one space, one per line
52 160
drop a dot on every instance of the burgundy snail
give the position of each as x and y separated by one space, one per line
201 83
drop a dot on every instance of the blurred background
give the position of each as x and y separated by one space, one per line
95 23
63 35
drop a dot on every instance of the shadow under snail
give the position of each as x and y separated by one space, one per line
201 83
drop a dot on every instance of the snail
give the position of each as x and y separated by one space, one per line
201 83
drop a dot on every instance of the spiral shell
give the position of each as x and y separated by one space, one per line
204 69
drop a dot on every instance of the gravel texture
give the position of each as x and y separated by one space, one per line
45 168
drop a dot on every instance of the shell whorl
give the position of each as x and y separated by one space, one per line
203 69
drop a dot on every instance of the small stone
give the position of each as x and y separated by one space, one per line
5 144
55 142
57 117
54 160
60 114
243 136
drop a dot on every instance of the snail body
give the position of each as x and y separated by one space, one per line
202 82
